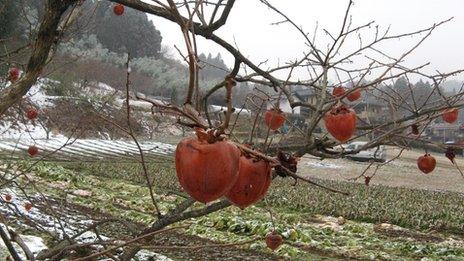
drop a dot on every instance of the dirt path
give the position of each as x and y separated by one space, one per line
402 172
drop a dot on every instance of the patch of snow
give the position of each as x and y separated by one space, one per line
98 90
75 222
105 87
81 148
37 93
104 135
133 103
28 131
141 95
217 108
325 165
6 84
148 255
25 132
35 244
89 237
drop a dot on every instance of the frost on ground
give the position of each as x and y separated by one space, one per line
52 224
86 149
37 95
17 133
34 243
19 130
16 126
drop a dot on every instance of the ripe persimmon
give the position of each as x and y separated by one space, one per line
274 118
252 184
426 163
206 171
340 121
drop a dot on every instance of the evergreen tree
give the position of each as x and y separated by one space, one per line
132 32
401 85
9 19
212 68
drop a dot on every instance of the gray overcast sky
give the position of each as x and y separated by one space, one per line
249 25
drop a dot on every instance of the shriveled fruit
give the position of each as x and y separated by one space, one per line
33 150
367 180
426 163
415 129
274 240
206 171
338 91
450 154
31 113
118 9
354 95
28 206
340 121
252 184
287 162
8 197
13 74
274 118
450 115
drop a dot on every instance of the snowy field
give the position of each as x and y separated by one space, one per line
64 149
17 136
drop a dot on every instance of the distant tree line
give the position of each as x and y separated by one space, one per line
212 68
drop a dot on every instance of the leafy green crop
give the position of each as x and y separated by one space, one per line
119 189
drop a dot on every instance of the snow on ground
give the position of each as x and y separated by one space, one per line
71 221
34 243
99 89
48 222
324 165
18 136
37 93
28 131
105 88
217 108
25 132
73 224
86 149
148 255
119 102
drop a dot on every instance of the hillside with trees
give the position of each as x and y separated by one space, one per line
96 46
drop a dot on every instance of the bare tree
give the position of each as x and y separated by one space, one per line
202 19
